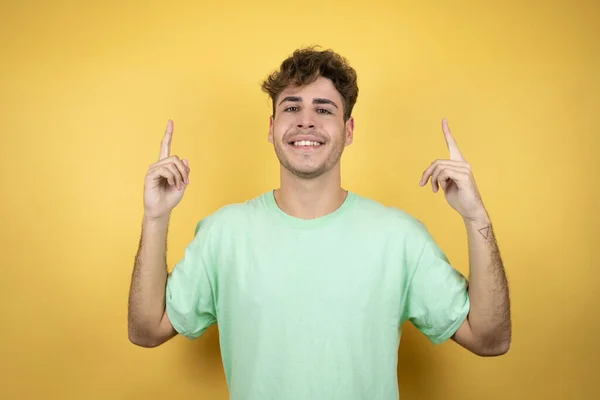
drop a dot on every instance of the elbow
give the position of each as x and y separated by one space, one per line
494 342
497 350
143 342
503 349
141 339
494 349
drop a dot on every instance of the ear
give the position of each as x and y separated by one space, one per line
349 131
270 137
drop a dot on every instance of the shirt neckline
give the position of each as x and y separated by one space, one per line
308 223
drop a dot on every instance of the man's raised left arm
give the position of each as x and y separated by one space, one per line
487 329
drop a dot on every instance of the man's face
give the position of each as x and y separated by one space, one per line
308 132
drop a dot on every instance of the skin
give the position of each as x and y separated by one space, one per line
487 329
310 187
164 186
310 180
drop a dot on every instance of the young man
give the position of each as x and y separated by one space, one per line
310 283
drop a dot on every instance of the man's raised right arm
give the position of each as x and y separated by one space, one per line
148 324
164 186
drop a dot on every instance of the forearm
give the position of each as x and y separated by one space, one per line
148 282
489 317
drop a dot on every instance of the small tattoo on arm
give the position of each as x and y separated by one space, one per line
485 232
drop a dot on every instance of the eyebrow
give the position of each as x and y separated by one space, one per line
297 99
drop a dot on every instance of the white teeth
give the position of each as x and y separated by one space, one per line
306 143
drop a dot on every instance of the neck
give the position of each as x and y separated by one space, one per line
310 198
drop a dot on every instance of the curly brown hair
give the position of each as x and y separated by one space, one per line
305 66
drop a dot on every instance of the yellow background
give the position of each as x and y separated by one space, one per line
86 91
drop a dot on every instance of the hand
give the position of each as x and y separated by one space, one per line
456 179
165 181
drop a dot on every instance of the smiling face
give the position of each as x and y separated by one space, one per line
308 132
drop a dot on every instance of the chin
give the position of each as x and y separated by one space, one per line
309 165
306 171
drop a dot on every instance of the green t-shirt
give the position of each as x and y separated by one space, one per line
312 309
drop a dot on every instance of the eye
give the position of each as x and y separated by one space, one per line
290 108
323 111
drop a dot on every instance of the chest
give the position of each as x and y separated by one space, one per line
353 276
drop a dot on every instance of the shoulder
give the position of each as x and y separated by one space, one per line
393 217
408 233
231 214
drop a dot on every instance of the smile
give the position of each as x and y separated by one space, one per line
306 143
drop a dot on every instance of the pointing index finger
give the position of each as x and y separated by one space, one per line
451 143
165 146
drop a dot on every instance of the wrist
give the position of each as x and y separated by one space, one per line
155 221
478 219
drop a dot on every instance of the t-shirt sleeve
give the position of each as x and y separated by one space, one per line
437 301
189 299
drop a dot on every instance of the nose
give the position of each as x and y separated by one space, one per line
305 121
306 124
